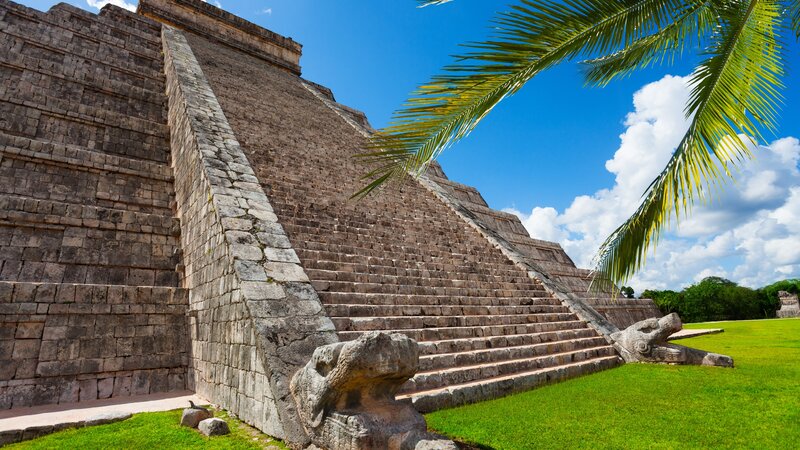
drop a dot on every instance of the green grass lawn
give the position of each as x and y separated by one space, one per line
755 405
160 430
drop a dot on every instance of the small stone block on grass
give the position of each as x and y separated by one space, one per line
192 417
106 418
213 427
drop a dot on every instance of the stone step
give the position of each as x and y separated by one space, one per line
361 233
355 254
78 298
360 310
424 381
330 270
133 87
77 254
88 25
412 322
58 50
45 102
28 210
51 180
399 235
117 16
82 131
399 267
60 330
71 66
450 333
475 289
45 152
334 260
37 88
486 389
454 279
378 299
509 340
76 40
113 24
441 361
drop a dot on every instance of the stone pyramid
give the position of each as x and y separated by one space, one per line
175 214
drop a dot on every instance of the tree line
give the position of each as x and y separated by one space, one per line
716 298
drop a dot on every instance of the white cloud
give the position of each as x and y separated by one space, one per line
215 3
121 3
267 11
750 232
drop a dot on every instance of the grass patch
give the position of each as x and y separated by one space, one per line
755 405
160 430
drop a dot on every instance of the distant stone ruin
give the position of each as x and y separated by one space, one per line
790 306
175 214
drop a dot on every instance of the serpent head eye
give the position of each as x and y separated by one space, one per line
642 347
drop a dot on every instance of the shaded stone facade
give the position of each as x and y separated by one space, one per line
90 298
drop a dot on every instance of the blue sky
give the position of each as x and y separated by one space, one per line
543 153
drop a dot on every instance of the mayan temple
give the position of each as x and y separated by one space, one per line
175 215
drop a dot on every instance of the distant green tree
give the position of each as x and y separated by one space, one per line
627 291
667 301
716 298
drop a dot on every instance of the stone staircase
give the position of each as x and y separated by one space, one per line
549 257
400 261
90 302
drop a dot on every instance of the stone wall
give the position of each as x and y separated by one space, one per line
65 343
89 254
255 317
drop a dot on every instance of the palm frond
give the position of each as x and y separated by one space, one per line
535 35
734 91
794 10
424 3
690 24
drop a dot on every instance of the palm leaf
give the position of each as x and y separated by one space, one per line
734 91
534 36
794 10
424 3
693 22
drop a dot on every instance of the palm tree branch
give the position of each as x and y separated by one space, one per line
664 45
534 36
735 90
424 3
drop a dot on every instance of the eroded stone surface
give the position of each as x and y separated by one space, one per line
646 341
257 320
192 417
106 418
346 394
213 427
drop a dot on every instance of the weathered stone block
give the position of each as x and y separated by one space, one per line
30 330
346 395
105 388
106 418
213 427
192 416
